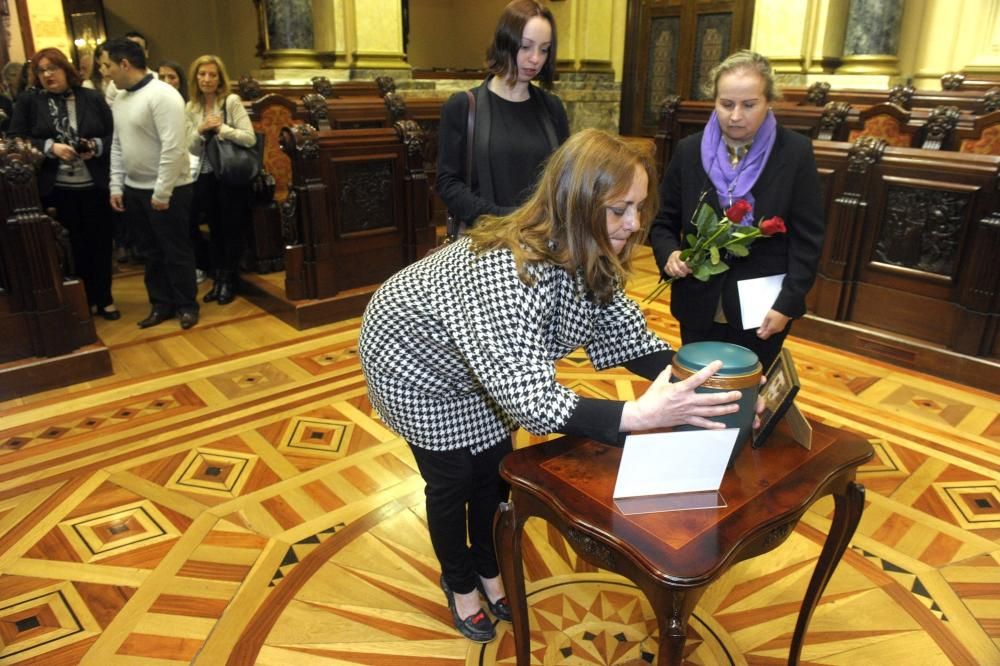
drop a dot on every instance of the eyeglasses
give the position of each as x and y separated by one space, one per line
47 70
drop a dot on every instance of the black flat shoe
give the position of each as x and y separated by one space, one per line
110 315
213 293
155 318
188 319
226 293
477 627
500 608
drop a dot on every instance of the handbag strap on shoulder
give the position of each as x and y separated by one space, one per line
470 134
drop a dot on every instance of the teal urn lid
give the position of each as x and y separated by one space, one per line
736 360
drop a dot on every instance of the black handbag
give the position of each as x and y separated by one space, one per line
232 163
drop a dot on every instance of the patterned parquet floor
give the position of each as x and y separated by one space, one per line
228 496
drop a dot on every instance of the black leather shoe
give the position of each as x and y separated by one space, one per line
477 627
213 293
188 319
155 318
110 315
227 294
500 608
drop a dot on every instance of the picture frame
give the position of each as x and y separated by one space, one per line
778 393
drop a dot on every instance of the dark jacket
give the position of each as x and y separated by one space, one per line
93 121
467 202
788 187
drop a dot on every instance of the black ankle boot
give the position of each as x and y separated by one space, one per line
227 288
213 293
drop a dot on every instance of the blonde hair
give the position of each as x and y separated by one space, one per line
564 222
743 61
194 92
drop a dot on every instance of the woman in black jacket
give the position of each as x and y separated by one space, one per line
742 154
72 126
517 124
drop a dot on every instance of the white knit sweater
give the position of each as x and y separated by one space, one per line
149 150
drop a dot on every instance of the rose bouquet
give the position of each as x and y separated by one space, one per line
704 251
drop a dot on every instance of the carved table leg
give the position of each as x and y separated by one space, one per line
673 608
508 530
846 516
673 630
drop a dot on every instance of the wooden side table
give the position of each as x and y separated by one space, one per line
672 557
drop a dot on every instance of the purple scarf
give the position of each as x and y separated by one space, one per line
732 183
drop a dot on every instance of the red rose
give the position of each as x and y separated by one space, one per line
738 211
773 225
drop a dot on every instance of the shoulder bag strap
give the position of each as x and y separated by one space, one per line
547 125
470 136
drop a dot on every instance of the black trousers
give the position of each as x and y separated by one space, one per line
463 491
227 209
161 236
766 350
86 214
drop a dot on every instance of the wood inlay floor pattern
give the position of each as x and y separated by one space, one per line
229 495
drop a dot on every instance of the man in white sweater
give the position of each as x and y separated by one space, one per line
151 180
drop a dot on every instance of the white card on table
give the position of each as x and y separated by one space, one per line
674 462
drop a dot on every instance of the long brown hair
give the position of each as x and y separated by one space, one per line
565 220
501 56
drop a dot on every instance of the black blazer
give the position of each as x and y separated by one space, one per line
468 201
93 121
788 187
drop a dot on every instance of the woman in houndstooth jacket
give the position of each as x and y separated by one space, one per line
459 349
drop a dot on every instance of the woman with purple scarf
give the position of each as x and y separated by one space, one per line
741 154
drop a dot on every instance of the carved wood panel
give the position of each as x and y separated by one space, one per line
365 196
673 44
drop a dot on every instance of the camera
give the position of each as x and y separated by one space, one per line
82 146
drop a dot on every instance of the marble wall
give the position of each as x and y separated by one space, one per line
873 27
290 24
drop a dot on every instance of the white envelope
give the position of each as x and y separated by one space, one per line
757 296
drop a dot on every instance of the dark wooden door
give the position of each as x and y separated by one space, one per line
670 47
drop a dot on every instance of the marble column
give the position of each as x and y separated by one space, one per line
871 40
287 29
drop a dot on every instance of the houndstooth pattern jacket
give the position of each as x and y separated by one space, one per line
458 351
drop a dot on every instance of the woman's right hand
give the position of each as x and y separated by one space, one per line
64 151
210 123
667 404
676 268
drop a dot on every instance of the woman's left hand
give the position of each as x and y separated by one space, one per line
64 152
774 322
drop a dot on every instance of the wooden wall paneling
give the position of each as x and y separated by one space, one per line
826 291
916 237
979 290
304 208
421 234
366 198
45 321
426 112
845 214
676 43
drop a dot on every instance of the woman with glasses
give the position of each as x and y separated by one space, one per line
72 127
